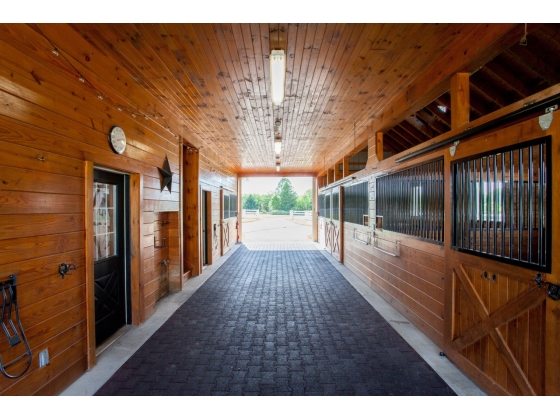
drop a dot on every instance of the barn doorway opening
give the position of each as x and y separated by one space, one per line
277 209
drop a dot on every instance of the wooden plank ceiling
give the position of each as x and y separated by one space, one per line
214 80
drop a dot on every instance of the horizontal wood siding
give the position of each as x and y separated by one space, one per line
411 282
50 125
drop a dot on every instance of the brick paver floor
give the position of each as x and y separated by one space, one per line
276 323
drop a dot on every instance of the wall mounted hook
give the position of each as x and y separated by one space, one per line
64 268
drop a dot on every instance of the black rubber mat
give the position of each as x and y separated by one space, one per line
276 323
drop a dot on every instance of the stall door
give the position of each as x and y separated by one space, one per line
504 324
336 224
333 225
110 267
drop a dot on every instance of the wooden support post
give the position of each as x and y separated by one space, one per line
338 171
460 100
330 176
379 145
315 211
136 248
240 209
90 257
375 149
346 166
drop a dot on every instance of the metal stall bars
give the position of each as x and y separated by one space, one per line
501 205
411 201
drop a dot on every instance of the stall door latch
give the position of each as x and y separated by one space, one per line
553 289
546 119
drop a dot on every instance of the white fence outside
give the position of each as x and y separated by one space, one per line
301 213
247 212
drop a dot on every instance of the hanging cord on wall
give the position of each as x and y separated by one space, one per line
101 96
523 40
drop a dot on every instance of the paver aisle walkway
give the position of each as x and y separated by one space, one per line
276 323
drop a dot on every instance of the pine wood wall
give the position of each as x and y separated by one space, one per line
51 125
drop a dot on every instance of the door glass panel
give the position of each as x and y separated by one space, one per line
104 233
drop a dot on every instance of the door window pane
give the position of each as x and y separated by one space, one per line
104 212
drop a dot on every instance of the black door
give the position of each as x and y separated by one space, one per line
110 269
204 228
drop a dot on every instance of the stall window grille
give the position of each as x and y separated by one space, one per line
500 204
356 203
226 207
232 205
322 205
328 206
335 205
411 201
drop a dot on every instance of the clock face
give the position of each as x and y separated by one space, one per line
117 139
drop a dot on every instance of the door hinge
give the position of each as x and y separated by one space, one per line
546 119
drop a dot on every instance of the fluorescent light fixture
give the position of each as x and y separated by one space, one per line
277 166
277 146
277 76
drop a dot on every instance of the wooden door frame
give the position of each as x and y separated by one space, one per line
135 227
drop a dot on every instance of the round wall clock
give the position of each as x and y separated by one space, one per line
117 139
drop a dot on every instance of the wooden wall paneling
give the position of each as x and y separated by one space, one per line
410 303
101 70
26 63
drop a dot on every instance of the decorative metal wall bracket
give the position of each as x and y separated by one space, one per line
546 119
453 148
14 332
553 289
64 268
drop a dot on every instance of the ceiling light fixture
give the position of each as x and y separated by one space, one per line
277 76
277 146
277 166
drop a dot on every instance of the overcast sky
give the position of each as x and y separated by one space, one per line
263 185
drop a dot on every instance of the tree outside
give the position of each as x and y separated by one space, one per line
284 198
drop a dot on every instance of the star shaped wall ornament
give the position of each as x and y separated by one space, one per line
166 174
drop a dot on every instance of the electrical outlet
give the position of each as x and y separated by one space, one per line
44 358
